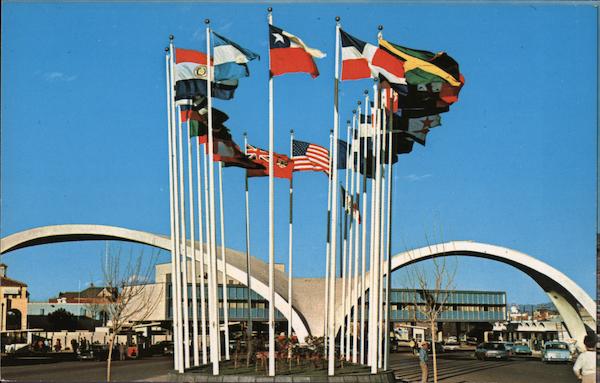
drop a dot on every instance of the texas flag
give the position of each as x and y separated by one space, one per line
289 54
364 60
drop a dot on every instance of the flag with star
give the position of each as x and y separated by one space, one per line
289 54
416 128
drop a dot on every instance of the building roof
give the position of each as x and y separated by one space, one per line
90 292
8 282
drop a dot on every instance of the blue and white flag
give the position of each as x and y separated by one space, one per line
230 59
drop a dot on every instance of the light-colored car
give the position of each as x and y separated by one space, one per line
521 349
451 345
492 350
556 352
509 346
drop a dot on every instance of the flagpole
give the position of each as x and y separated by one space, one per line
372 221
363 267
202 254
224 265
344 253
271 297
174 247
353 244
193 243
214 326
382 119
348 242
290 250
183 234
331 308
248 278
208 252
177 279
328 247
388 287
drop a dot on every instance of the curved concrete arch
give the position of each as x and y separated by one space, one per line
236 261
566 295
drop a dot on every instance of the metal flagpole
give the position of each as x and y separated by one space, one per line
174 247
334 189
176 280
290 283
349 294
224 264
215 347
184 256
210 273
363 266
372 241
193 243
344 253
381 236
248 278
388 286
354 234
202 254
328 248
271 297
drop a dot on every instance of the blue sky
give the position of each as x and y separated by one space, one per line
84 131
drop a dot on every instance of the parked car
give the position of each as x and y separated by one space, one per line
472 340
521 349
492 350
451 339
451 345
95 352
556 352
439 348
164 347
509 346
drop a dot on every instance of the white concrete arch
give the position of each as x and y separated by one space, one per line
563 292
236 265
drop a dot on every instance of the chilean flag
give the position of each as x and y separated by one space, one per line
289 54
364 60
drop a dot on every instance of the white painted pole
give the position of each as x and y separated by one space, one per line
382 120
290 248
194 276
210 274
224 260
184 256
174 247
215 347
386 364
271 297
372 242
334 200
344 323
363 267
350 246
202 255
354 234
176 280
328 248
248 272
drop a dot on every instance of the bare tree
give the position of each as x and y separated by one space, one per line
96 310
133 297
432 286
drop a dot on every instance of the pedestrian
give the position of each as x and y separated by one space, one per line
413 345
423 358
121 351
585 365
57 346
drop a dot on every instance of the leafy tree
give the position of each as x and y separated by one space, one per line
61 319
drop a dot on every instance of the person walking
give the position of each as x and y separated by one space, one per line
413 346
585 365
121 351
423 358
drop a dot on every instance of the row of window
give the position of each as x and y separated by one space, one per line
450 297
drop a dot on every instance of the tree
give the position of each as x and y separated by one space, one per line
432 287
98 311
61 319
132 297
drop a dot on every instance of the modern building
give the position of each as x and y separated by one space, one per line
13 306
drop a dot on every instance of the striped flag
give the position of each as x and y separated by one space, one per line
309 156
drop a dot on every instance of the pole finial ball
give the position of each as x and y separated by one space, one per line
330 131
337 18
292 131
380 27
366 91
206 21
270 9
166 49
354 111
171 37
358 103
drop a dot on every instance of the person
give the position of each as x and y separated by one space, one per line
74 345
585 365
423 358
121 351
57 346
413 346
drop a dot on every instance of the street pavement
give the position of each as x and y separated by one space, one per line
462 367
453 367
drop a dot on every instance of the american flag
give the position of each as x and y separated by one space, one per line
309 156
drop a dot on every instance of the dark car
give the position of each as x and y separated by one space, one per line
164 347
95 352
492 350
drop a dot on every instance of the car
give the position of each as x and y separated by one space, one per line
451 345
521 349
164 347
492 350
509 346
438 347
472 340
451 339
95 352
556 352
